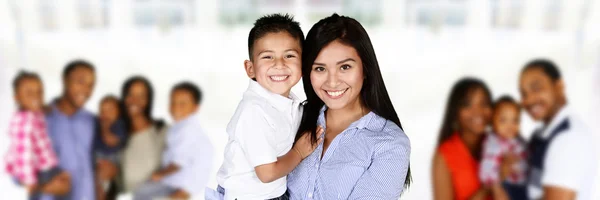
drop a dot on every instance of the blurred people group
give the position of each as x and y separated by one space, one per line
344 142
60 150
482 155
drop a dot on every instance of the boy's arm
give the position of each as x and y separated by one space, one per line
166 171
286 163
21 136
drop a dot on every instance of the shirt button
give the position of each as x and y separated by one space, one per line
316 165
310 195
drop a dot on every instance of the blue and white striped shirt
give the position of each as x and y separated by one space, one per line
369 159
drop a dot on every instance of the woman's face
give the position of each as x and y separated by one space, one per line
136 99
337 76
474 115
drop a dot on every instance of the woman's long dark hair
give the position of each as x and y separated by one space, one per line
459 96
159 124
373 94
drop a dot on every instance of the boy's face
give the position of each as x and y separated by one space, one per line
541 95
506 120
79 85
276 62
30 94
109 110
182 104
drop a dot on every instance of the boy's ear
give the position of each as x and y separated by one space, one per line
249 69
560 88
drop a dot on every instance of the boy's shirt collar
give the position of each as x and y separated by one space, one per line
194 117
560 116
281 103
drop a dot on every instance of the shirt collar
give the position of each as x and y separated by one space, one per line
281 103
365 122
194 117
56 111
562 114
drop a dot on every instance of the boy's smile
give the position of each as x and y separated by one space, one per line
276 62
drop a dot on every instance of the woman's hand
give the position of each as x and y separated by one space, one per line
506 168
304 145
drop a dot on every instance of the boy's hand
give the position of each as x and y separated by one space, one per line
106 170
304 145
157 176
179 194
506 168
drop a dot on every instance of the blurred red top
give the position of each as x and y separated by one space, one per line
464 169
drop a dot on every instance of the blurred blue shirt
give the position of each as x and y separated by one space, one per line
72 138
368 160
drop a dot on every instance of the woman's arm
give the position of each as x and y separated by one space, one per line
441 179
481 194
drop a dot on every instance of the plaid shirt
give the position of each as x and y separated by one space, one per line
494 148
30 148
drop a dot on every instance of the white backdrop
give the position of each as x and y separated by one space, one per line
419 63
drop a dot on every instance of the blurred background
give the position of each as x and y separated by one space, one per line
423 47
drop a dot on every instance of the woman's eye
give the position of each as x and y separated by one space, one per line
345 67
319 69
266 57
290 56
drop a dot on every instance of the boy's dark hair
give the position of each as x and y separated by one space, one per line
545 65
110 97
71 66
22 75
506 99
274 23
191 88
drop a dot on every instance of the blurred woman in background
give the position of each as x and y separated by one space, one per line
456 161
141 155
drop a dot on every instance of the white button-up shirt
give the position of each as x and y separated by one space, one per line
262 129
191 149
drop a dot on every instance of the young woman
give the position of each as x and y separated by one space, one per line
142 152
365 152
456 162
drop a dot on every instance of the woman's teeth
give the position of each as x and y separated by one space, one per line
278 78
336 93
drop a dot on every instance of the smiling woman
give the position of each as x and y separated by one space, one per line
365 152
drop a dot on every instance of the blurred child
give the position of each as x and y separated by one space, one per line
110 136
504 140
261 150
31 159
187 159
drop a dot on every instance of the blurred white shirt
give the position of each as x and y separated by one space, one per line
571 160
189 148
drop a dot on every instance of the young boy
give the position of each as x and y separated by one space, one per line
31 159
259 152
563 158
110 136
187 159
